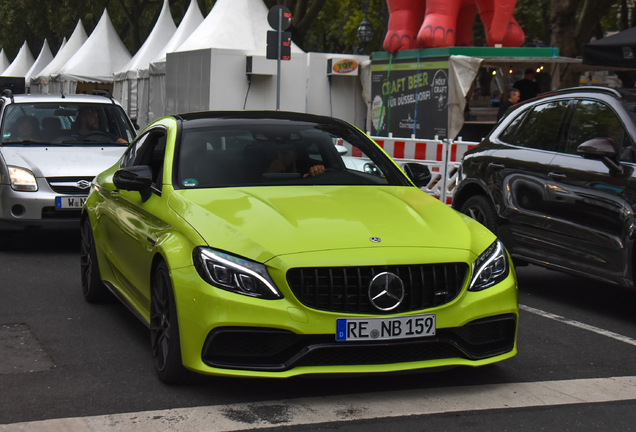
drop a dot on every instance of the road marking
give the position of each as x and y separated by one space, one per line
295 412
578 324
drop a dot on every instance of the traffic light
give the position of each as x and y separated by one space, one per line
272 45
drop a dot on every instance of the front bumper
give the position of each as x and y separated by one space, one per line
273 350
224 333
24 210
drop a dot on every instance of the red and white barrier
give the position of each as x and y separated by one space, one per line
443 158
456 150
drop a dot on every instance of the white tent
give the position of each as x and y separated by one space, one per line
190 22
43 80
44 58
4 61
21 64
152 102
125 86
233 24
98 59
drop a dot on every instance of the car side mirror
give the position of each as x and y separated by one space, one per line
419 174
134 178
342 150
603 149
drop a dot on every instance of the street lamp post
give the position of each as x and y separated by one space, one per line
365 34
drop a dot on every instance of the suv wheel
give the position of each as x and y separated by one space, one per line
482 210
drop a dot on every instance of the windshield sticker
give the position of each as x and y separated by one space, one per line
7 134
190 182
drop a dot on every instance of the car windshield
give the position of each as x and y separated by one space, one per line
274 152
65 123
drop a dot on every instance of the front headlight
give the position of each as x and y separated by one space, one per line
235 274
490 268
22 179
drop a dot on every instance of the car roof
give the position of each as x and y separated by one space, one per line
626 95
245 117
58 97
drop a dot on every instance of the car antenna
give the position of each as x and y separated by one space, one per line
8 93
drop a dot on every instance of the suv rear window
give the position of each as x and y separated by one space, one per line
68 123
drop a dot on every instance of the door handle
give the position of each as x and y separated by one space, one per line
496 165
557 175
114 192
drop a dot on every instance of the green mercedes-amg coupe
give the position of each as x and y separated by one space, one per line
271 244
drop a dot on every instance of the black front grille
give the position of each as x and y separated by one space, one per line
275 350
346 289
69 189
52 213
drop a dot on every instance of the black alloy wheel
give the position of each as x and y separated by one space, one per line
481 209
93 288
164 329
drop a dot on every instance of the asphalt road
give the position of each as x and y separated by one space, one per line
62 358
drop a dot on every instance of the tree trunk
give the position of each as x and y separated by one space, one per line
569 33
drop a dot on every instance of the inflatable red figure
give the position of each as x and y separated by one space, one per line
450 23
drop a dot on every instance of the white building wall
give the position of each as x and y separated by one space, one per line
216 79
340 98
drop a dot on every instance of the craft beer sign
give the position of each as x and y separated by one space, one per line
410 97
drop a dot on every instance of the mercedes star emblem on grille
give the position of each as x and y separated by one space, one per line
386 291
83 184
375 239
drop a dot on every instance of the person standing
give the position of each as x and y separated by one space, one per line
513 99
528 87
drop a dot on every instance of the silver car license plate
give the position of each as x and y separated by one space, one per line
75 202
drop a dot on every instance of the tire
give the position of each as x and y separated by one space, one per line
93 288
164 330
480 208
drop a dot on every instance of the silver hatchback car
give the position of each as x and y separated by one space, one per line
51 148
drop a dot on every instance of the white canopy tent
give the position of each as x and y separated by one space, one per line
152 101
21 64
98 59
233 24
43 81
44 58
4 61
126 87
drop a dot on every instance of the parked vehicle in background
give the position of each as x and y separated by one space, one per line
250 247
51 148
555 182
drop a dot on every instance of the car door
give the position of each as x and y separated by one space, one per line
589 217
131 226
517 170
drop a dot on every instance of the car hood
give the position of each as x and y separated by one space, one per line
59 161
263 222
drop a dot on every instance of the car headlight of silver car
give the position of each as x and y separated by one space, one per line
490 268
235 274
22 179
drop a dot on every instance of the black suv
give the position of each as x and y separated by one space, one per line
555 181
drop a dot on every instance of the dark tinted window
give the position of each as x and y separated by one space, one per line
508 135
594 119
276 152
541 129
